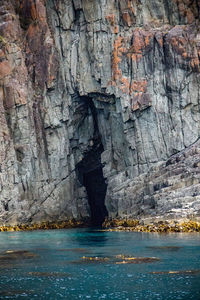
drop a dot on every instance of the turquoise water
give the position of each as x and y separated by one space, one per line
54 269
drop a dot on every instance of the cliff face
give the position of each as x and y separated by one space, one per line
99 109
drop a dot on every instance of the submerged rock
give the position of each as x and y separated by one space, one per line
77 250
49 274
16 255
181 272
16 293
137 260
117 259
92 259
95 258
164 248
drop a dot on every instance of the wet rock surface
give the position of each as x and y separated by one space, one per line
138 64
46 225
167 226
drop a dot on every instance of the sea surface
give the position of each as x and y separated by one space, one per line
93 264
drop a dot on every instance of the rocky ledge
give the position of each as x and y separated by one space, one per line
46 225
148 225
158 226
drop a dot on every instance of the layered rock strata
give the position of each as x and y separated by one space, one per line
103 89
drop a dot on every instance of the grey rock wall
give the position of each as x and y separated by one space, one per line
137 62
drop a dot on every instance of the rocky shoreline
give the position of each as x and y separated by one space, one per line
127 225
159 226
45 225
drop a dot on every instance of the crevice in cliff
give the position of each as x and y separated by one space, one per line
90 174
94 182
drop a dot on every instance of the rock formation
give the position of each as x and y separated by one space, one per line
99 109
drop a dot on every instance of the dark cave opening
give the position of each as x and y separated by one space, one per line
95 185
90 173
